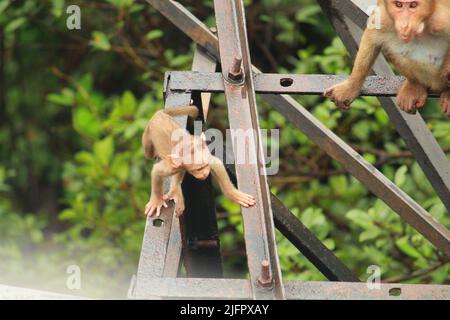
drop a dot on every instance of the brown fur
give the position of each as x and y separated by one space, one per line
157 142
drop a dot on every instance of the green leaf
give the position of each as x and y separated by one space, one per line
128 103
100 41
103 150
15 24
67 214
361 130
66 98
121 167
369 234
400 176
4 5
121 3
404 246
360 218
58 7
154 34
86 123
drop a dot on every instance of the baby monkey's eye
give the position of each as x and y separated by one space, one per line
413 4
398 4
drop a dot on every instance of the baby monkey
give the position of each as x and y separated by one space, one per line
180 152
415 36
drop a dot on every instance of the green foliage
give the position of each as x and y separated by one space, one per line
73 180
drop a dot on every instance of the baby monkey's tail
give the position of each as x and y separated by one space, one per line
191 111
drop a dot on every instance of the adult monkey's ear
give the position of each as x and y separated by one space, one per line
175 161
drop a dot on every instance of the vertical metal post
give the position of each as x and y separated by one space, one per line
243 115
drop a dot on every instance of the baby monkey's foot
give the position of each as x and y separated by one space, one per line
445 102
411 97
177 197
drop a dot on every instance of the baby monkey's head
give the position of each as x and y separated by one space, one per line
193 155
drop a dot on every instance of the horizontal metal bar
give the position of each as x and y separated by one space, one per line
17 293
311 84
192 288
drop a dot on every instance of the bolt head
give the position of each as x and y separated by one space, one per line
235 76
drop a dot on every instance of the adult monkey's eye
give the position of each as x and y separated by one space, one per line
398 4
413 4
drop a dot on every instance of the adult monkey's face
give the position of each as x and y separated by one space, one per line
409 16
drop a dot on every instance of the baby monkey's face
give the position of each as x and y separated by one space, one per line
196 158
201 172
200 155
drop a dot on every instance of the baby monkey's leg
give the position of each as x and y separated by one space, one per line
411 97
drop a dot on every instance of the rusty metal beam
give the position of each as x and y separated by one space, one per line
313 84
305 290
350 24
154 245
189 24
356 165
259 230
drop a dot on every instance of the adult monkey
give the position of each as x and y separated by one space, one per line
415 37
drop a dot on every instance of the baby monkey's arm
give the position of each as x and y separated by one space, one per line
228 189
175 193
160 170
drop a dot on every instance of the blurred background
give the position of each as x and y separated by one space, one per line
74 182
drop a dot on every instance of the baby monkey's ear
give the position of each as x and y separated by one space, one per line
175 161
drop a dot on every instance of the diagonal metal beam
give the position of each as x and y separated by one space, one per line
259 230
356 165
349 19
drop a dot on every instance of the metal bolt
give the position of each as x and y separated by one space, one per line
235 73
265 279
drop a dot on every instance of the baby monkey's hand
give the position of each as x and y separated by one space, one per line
241 198
154 206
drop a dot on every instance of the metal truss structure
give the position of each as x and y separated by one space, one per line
194 239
